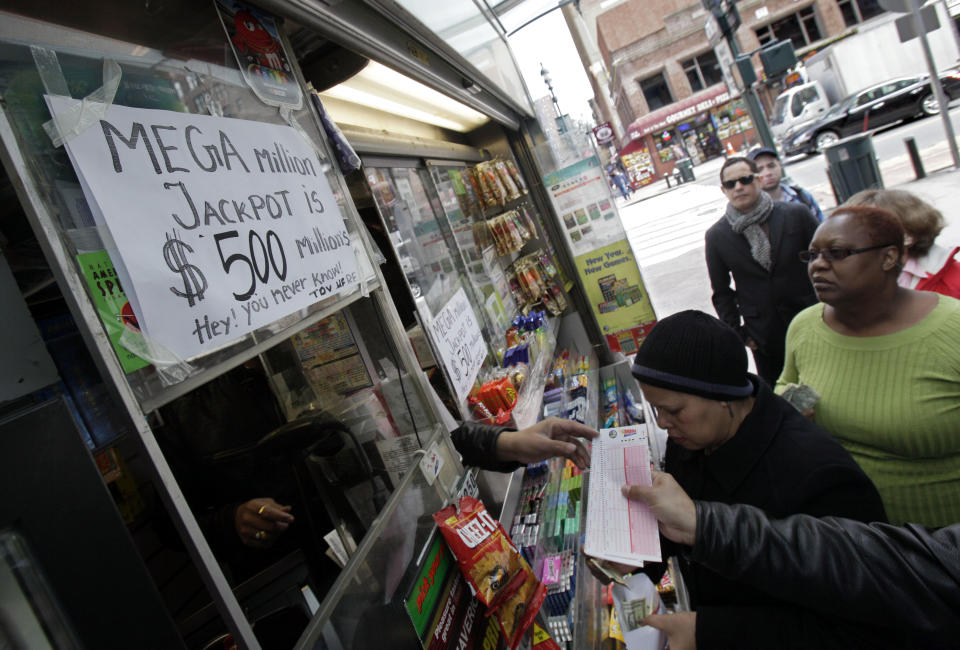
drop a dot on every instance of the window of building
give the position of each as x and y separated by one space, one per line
656 91
702 71
857 11
801 28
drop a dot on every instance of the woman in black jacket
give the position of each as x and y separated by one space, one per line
732 440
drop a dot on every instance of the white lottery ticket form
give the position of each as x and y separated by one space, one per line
618 529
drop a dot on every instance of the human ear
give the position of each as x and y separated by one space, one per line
891 259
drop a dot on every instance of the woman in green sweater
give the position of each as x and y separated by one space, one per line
886 363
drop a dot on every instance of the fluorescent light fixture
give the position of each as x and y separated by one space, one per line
379 87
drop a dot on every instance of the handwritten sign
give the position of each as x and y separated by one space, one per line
218 225
459 342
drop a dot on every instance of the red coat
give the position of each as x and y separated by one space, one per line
946 280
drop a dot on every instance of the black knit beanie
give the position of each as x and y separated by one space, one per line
693 352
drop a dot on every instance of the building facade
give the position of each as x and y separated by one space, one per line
666 83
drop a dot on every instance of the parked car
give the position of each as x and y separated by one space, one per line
880 105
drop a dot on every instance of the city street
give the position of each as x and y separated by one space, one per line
666 226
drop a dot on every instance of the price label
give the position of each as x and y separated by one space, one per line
459 341
219 226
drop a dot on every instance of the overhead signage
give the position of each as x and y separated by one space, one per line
459 342
217 226
603 133
660 119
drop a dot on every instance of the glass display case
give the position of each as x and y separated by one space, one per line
282 400
456 227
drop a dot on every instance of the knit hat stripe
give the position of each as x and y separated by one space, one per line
687 383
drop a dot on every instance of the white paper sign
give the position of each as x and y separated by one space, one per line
459 341
219 225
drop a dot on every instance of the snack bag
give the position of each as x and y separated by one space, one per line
517 613
513 192
487 558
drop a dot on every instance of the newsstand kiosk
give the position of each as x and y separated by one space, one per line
201 334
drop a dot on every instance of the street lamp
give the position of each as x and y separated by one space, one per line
556 105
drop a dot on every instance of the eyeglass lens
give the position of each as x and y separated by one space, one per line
743 180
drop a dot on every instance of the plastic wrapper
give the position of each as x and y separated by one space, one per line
490 178
515 174
510 185
488 560
519 610
484 198
528 217
634 410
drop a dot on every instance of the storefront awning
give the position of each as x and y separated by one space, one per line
677 112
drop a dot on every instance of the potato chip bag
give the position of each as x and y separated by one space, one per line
487 558
517 612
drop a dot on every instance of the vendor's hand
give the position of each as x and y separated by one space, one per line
546 439
259 522
674 510
680 628
810 414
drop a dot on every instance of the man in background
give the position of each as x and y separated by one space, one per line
755 245
771 181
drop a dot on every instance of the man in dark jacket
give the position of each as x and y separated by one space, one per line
756 243
876 575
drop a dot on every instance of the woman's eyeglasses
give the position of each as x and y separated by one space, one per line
743 180
836 254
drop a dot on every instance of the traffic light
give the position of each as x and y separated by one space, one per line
747 73
725 11
777 58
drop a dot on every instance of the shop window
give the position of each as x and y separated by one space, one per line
656 91
857 11
702 71
801 28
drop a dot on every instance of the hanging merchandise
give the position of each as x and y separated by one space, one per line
264 63
498 575
499 390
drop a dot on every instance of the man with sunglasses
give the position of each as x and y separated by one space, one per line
770 171
756 244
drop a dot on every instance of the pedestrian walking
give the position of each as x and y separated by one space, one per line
756 244
771 181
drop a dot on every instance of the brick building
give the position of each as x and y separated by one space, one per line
665 83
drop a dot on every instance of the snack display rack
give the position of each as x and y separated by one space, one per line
487 240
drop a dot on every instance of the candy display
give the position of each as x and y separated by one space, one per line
496 183
498 390
532 280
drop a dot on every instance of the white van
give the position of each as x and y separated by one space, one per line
796 107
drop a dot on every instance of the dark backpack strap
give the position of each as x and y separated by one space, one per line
804 197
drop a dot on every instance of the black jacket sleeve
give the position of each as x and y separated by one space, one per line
896 578
724 297
477 444
788 628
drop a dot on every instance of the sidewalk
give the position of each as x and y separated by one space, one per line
704 171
